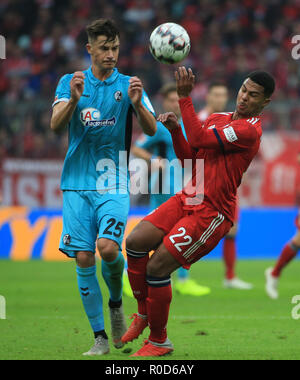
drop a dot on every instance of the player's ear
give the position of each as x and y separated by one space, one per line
88 47
266 102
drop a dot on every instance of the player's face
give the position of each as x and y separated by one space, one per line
171 103
217 98
251 99
104 54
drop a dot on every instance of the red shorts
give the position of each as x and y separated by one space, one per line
189 234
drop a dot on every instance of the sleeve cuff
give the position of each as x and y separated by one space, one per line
182 101
60 100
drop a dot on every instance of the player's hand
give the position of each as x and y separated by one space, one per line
185 81
77 85
169 120
135 90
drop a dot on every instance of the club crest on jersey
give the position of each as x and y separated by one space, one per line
67 239
118 96
91 117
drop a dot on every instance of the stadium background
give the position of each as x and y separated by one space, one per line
45 39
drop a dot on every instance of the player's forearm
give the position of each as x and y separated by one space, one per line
146 120
197 136
62 115
192 125
182 148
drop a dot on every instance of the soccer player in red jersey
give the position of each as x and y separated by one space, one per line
288 253
216 100
192 222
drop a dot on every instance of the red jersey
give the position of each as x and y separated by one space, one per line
203 115
227 147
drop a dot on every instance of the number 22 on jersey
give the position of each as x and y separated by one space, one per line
182 233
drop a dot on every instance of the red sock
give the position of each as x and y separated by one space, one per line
287 254
137 278
229 256
158 306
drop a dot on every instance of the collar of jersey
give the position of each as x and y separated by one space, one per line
98 82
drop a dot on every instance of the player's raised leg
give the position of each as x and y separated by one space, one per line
145 237
193 236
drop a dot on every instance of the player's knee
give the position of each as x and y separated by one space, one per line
134 242
156 268
130 241
232 232
85 259
108 249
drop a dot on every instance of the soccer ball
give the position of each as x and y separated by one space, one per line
169 43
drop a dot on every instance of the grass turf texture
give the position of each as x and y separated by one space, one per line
45 317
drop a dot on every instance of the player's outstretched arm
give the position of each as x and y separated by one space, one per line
145 118
63 111
198 137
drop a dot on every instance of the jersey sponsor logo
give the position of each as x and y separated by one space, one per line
118 96
91 117
230 134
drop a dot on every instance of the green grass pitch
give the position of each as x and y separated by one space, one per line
45 317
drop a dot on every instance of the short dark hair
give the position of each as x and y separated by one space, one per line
167 88
102 27
265 80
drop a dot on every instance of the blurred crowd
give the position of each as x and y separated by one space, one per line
46 39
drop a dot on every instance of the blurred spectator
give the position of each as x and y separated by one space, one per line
46 39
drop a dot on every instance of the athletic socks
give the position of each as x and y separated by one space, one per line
289 251
137 263
112 273
229 256
153 294
102 333
91 296
158 306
